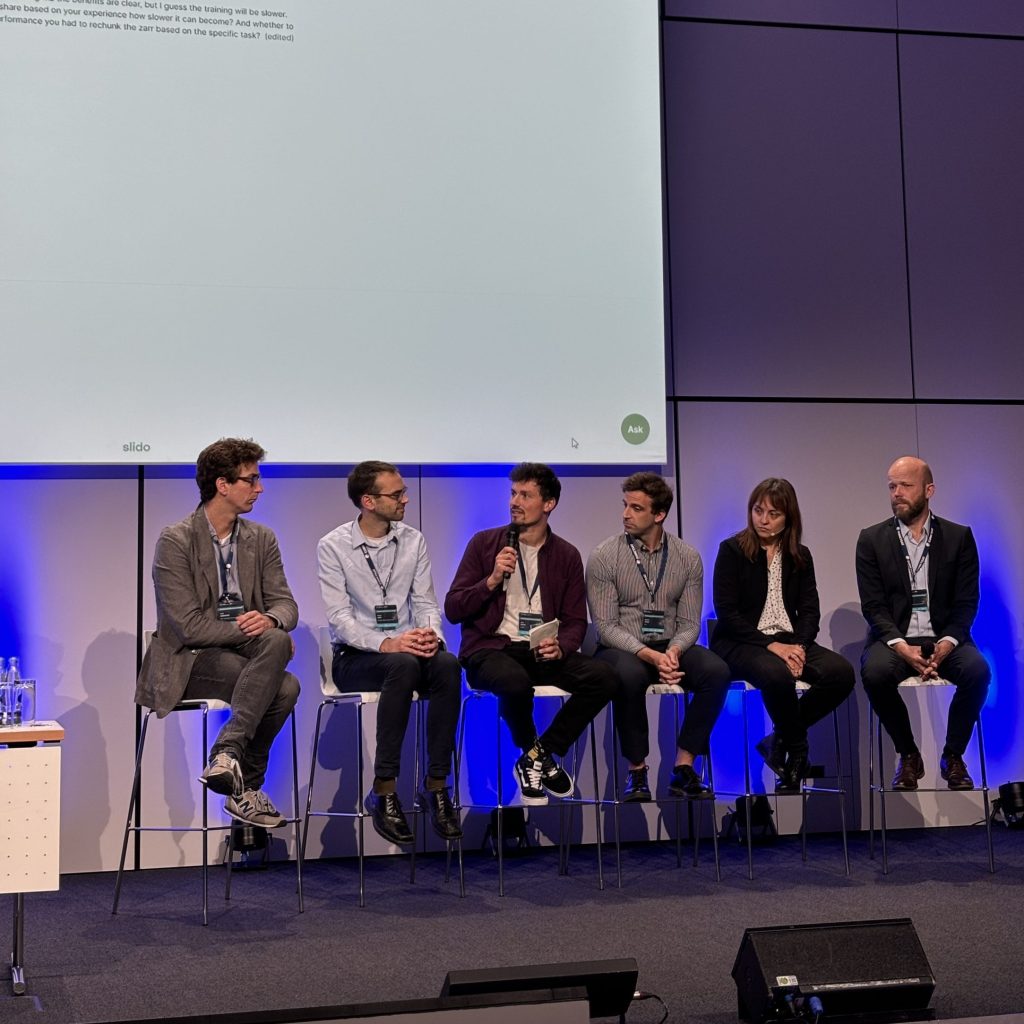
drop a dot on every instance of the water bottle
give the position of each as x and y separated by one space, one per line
13 692
3 692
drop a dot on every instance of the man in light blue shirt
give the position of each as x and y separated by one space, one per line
386 631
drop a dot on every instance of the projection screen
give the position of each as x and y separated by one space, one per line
423 231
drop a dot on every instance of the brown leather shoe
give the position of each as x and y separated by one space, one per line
908 771
954 771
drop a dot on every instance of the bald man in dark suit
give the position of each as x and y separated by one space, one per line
918 580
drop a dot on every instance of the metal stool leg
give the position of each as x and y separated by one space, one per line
841 786
616 798
131 810
597 806
984 795
299 838
749 796
881 798
871 783
312 772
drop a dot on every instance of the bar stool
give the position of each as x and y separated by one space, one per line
204 707
566 804
805 790
332 697
676 692
879 786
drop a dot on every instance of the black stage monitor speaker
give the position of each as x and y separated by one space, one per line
610 984
859 970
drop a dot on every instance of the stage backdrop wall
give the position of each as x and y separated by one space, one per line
842 264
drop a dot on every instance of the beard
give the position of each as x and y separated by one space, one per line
905 513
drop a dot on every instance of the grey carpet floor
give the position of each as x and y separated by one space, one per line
683 927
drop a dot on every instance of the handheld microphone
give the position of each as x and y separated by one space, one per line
511 541
927 649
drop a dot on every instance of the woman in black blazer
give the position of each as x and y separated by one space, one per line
766 601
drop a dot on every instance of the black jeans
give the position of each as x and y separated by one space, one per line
706 676
396 677
511 675
882 670
829 675
253 680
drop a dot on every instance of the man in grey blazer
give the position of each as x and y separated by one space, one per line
224 611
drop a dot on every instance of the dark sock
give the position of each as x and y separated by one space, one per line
382 787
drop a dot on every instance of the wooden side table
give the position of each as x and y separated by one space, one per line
29 822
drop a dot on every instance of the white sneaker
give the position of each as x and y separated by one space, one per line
254 808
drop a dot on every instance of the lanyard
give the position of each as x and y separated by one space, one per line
225 564
522 576
906 554
383 584
643 572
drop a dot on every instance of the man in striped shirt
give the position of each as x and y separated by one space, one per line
645 589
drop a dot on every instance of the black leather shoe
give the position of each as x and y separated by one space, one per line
773 753
388 818
793 775
686 782
443 816
954 771
637 789
909 770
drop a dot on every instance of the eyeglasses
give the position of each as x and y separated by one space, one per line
772 513
252 479
394 495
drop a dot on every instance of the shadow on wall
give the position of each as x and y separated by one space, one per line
847 634
86 759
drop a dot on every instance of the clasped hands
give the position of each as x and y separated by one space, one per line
926 668
792 654
667 664
421 641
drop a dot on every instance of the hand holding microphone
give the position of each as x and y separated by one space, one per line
505 560
511 541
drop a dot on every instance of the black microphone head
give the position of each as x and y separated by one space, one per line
927 649
512 541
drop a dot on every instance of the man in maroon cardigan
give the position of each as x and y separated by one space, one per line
512 578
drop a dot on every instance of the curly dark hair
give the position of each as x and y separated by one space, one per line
224 458
548 484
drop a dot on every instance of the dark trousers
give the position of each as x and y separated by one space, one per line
512 673
829 675
882 670
397 677
253 680
705 675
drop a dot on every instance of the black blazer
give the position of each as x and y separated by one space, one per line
884 583
741 589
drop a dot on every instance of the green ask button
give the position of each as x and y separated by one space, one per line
635 428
